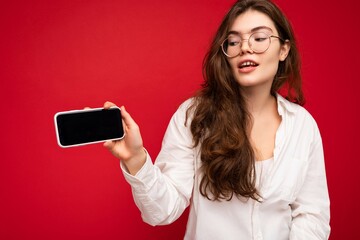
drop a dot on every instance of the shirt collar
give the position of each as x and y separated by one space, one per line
284 105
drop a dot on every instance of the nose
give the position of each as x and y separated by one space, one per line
245 47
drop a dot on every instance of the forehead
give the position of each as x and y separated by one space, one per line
252 19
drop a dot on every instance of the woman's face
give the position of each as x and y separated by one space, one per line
256 70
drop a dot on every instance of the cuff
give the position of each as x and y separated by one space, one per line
141 177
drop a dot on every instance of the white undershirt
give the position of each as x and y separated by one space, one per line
262 169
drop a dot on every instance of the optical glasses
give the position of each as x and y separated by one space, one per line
258 42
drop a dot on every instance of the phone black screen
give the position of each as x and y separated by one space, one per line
75 128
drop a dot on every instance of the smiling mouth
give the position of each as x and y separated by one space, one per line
248 64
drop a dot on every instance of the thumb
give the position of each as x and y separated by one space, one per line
128 120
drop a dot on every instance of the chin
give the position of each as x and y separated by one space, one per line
250 83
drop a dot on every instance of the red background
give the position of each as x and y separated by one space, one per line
146 55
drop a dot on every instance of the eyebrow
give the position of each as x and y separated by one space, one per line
252 30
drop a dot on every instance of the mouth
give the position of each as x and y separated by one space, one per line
247 63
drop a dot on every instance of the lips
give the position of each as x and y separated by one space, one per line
247 66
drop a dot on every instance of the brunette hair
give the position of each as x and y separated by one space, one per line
221 122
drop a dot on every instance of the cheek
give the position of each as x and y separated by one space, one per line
233 66
271 65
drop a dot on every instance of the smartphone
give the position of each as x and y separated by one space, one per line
81 127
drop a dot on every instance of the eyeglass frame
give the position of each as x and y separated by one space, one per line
244 40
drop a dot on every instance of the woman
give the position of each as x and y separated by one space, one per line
248 161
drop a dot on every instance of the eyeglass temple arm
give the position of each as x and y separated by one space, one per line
277 37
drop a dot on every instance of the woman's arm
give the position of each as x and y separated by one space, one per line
162 190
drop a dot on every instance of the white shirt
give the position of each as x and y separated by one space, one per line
295 201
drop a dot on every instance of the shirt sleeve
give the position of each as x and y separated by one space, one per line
311 208
163 190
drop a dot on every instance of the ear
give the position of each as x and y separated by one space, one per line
284 50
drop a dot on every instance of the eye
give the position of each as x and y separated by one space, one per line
259 37
233 40
232 43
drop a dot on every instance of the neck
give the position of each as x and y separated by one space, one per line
258 101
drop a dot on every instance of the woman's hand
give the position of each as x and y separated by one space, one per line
129 149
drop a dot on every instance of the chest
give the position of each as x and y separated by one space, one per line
263 134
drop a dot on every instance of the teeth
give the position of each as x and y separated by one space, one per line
248 63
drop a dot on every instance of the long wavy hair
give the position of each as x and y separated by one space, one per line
220 121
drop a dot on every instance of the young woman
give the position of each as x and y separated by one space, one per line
247 160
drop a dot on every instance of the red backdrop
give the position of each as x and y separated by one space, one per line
146 55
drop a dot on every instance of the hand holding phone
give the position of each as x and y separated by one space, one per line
81 127
130 150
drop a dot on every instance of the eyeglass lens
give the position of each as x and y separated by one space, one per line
258 42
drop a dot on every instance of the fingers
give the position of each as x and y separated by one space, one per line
108 105
109 144
128 120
